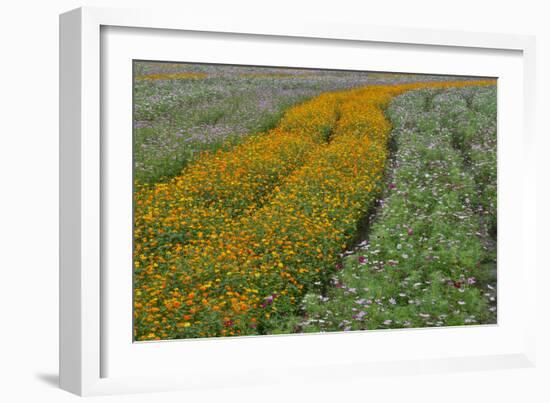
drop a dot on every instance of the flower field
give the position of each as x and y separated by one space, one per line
430 258
181 110
247 239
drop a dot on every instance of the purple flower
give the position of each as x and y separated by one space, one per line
410 231
359 316
471 280
392 185
362 259
268 300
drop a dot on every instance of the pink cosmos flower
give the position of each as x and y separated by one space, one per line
359 315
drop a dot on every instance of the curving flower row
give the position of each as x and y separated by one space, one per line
225 184
217 188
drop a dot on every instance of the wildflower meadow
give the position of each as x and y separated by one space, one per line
278 201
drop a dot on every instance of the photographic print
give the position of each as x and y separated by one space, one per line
274 200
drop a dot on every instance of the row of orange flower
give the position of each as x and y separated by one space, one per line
214 191
230 246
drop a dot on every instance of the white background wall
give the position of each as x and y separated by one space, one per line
29 188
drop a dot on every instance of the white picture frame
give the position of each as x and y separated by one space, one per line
88 331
